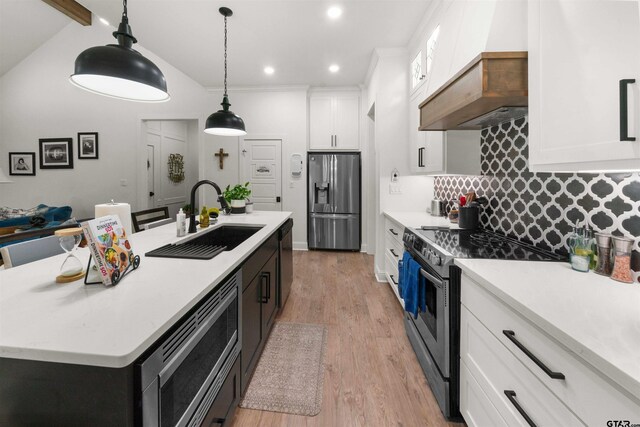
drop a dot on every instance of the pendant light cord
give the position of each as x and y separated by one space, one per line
124 8
225 56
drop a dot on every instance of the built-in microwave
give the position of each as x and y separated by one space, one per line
180 379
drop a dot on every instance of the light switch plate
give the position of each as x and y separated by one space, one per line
394 188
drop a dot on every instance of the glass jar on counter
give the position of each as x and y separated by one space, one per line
603 265
622 259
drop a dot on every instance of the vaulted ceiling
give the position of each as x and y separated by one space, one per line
295 37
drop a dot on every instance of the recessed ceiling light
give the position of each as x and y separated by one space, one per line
104 21
334 68
334 12
269 70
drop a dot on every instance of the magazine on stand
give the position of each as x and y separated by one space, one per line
107 240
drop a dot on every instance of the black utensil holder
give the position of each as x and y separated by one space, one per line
468 217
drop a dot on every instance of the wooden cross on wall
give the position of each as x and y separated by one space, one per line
221 155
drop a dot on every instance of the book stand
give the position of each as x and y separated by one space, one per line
116 276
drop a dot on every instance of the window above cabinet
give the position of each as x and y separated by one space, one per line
416 71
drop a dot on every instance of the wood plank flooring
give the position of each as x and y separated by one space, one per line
372 376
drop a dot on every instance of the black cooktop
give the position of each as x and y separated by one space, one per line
484 244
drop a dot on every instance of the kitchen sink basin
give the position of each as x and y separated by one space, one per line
207 245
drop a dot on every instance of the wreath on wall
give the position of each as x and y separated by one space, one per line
176 168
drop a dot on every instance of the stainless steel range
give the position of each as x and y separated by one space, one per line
435 333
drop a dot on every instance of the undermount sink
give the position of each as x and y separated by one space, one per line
208 244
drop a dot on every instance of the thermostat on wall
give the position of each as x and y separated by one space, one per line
296 165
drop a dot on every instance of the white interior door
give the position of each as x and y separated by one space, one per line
167 137
151 183
261 165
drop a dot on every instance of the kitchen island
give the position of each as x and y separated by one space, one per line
98 332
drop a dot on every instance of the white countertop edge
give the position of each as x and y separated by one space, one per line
626 384
122 360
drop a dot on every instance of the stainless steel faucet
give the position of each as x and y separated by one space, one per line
192 216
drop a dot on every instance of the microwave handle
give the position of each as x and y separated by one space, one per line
431 277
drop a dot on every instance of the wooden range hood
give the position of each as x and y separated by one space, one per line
491 89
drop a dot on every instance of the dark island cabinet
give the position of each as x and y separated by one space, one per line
259 304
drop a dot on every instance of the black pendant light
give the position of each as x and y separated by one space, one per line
118 71
225 122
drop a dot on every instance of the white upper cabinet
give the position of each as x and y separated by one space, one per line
334 122
426 148
579 52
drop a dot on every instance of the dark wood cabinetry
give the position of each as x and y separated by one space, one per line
224 407
259 304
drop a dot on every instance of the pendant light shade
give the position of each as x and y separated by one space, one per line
119 71
224 122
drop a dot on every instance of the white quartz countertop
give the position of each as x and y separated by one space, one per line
418 219
112 326
595 317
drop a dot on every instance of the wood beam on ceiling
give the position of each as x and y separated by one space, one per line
72 9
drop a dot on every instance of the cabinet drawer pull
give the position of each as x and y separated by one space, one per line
394 282
512 336
624 113
511 395
264 296
393 253
421 157
393 232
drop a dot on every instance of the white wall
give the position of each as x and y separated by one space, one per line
387 88
37 101
268 112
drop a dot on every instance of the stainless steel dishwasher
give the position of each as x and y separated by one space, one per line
285 248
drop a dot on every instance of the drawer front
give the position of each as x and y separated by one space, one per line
475 406
591 397
391 268
498 372
394 230
392 247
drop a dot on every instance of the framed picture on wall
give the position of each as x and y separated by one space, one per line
56 153
88 145
22 163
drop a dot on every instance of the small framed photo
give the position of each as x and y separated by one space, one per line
22 163
88 145
56 153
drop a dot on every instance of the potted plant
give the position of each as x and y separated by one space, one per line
237 196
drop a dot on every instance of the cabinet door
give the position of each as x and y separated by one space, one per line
417 139
268 284
251 328
347 122
434 152
578 53
321 123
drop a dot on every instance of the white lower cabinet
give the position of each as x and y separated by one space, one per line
475 406
504 351
393 249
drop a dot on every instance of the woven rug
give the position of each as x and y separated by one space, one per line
290 372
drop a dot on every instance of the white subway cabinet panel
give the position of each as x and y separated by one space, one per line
579 51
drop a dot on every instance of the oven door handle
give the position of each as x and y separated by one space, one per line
431 277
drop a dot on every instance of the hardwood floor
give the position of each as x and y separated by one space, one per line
372 376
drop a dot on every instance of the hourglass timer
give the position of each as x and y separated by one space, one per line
71 269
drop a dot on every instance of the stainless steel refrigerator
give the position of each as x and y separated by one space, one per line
333 194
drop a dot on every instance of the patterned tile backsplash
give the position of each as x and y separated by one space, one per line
541 208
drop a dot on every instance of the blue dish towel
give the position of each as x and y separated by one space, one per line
411 286
402 272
